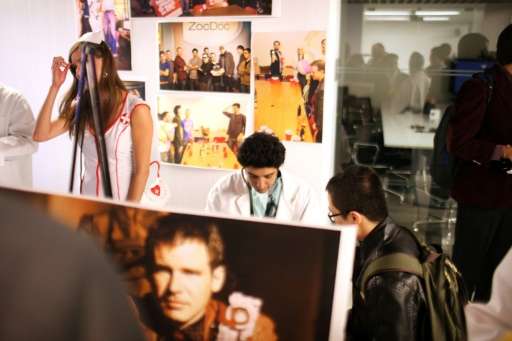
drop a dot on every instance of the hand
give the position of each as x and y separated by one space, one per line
59 70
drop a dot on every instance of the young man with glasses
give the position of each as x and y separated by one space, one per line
393 307
261 189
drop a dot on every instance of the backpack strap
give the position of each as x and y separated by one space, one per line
396 262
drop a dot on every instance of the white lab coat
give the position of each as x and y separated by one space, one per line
492 320
298 202
16 145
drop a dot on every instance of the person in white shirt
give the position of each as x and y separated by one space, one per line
261 189
16 144
492 321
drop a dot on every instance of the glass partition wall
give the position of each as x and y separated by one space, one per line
401 64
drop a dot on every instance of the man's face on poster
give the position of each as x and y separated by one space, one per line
184 280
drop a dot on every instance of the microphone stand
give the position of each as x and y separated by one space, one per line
89 73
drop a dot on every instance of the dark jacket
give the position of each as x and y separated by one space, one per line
394 306
474 134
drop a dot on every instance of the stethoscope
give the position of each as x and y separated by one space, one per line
271 209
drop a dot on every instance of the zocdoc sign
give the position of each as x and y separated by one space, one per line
211 33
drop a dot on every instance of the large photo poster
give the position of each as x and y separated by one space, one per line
111 17
187 8
205 56
214 278
290 69
202 131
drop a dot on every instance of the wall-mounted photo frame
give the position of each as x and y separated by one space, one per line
137 88
210 56
200 8
289 72
201 131
112 17
255 278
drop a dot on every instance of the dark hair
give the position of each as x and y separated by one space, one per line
162 115
176 109
320 64
276 41
239 47
110 89
504 46
261 150
236 105
173 229
358 188
195 50
248 49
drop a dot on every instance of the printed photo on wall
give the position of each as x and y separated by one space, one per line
113 18
215 278
290 69
187 8
201 131
205 56
137 88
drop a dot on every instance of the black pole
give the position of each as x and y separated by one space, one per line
99 136
76 121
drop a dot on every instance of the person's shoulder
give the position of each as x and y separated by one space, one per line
264 330
399 239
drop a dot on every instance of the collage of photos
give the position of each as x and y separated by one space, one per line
201 131
290 70
194 8
137 88
112 17
232 279
205 56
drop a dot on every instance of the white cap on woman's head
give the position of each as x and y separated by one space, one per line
92 37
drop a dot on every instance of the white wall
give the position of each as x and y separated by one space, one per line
33 31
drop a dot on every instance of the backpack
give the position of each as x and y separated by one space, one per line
443 165
445 293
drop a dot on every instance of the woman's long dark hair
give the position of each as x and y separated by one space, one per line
110 89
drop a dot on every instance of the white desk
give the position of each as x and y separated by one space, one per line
398 132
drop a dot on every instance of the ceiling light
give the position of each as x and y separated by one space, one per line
436 18
430 13
387 13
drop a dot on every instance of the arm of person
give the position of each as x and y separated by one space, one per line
227 113
46 128
18 141
393 307
165 72
142 135
470 106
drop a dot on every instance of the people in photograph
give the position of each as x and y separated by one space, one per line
205 74
303 69
172 74
85 26
166 137
323 47
109 25
261 188
178 134
188 128
227 62
180 69
165 72
206 51
236 126
126 120
16 144
193 66
244 71
217 73
480 139
316 103
276 61
394 306
185 266
240 53
124 59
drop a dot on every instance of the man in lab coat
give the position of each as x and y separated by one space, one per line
16 145
261 189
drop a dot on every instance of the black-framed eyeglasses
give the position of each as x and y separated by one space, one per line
332 216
